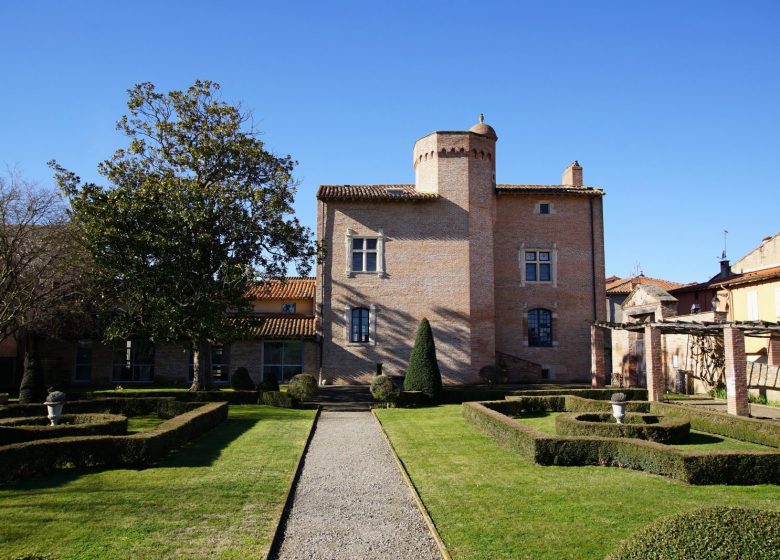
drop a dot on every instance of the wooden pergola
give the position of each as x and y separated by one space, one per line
733 334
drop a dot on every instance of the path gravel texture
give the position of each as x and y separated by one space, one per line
351 501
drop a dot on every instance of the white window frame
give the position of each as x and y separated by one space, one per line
777 302
371 325
553 265
752 305
380 253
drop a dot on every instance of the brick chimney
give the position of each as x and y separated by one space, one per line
573 175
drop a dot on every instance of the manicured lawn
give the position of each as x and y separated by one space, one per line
488 503
143 423
218 497
698 441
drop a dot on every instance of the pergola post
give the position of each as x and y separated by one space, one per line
773 351
597 374
736 371
654 364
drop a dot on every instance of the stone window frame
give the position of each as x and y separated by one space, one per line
550 208
554 326
553 250
380 253
371 325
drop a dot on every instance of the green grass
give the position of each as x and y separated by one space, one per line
218 497
488 503
143 423
697 441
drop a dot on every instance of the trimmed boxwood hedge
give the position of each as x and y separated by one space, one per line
231 397
632 394
17 430
640 426
279 399
723 424
736 468
706 534
21 460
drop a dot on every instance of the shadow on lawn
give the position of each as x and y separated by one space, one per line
698 438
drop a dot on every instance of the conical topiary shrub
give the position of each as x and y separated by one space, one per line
33 388
423 372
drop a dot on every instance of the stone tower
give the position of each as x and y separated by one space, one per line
460 166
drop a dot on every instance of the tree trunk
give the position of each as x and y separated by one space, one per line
202 377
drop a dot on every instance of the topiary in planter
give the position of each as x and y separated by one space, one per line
303 387
383 389
33 388
240 380
706 534
269 383
423 373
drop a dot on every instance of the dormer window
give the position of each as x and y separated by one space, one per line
288 308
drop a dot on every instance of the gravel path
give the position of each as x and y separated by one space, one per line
351 502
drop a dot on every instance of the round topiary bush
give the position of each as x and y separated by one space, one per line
706 534
491 374
240 380
269 383
303 387
423 373
383 389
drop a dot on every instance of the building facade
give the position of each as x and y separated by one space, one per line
281 342
507 274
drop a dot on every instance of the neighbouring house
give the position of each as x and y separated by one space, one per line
752 293
507 274
282 342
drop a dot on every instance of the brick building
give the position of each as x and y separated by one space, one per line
281 342
506 273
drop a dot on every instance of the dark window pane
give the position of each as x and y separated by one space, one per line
530 256
539 327
357 243
360 322
293 353
357 262
530 272
544 255
371 244
544 272
273 352
544 208
370 262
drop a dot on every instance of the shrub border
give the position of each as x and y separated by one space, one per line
445 554
13 431
667 429
21 460
731 468
284 512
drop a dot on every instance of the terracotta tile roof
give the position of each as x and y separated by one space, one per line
398 193
294 287
548 189
624 285
282 325
750 277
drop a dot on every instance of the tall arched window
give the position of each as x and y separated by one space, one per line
360 325
540 327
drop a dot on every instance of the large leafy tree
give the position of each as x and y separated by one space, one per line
196 212
40 267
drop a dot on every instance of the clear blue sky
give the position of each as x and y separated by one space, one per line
672 107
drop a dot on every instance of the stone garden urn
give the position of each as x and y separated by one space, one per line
54 403
619 403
